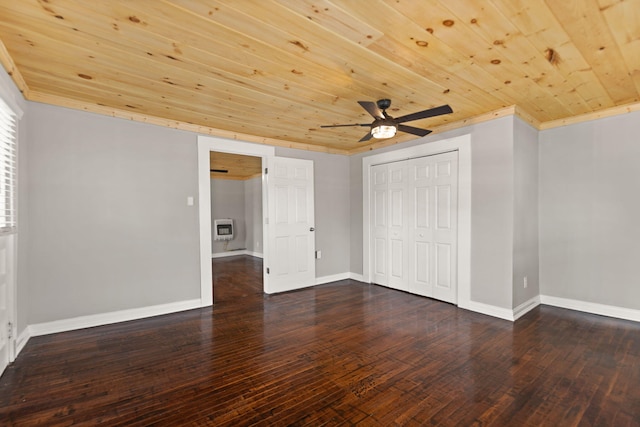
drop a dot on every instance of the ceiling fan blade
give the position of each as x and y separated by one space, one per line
414 131
366 137
341 126
372 109
432 112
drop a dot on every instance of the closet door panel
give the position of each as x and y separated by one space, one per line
421 226
398 225
445 236
379 224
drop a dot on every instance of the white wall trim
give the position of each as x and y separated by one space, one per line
206 144
591 307
461 144
236 253
504 313
526 307
108 318
255 254
490 310
332 278
356 276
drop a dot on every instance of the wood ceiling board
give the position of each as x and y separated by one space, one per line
345 118
426 65
328 15
483 39
265 74
295 121
277 70
542 29
510 46
587 27
239 167
100 84
282 53
138 60
460 66
368 73
622 19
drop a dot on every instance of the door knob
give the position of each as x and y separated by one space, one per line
312 229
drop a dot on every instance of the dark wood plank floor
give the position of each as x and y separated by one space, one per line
339 354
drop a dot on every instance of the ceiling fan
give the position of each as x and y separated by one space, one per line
385 126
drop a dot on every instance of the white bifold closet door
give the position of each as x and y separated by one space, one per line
414 225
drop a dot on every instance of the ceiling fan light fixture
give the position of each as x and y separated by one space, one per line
383 131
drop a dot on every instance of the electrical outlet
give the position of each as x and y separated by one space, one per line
525 282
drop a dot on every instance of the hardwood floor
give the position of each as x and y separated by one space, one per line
345 353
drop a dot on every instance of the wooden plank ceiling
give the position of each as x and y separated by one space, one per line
234 166
274 71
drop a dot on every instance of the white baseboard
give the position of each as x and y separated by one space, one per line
489 310
332 278
526 307
336 277
108 318
236 253
356 276
502 313
254 254
593 308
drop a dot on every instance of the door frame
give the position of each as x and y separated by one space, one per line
207 144
461 144
10 96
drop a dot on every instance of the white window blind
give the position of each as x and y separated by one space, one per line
7 168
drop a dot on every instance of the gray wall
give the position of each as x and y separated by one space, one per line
109 225
227 201
492 198
332 208
525 226
589 210
355 212
253 214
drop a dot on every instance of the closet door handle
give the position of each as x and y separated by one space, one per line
312 229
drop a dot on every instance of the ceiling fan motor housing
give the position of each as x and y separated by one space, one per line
383 104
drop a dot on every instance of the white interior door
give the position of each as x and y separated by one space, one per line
433 231
398 220
421 230
445 227
290 260
379 224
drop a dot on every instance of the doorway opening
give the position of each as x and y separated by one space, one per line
236 221
207 145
